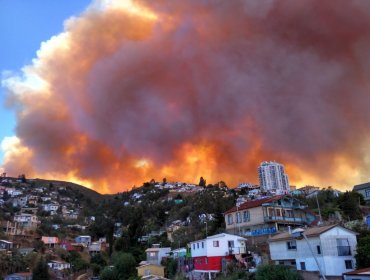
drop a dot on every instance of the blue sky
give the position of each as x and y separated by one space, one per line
24 24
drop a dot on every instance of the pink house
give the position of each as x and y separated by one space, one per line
50 241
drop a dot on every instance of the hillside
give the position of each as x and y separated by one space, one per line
75 188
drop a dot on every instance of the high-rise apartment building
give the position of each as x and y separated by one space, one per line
273 178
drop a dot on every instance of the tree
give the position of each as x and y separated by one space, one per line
109 273
277 272
349 203
125 265
170 267
202 182
40 272
363 252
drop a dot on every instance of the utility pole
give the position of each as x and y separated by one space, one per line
318 206
317 262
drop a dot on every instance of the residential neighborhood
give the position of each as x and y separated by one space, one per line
169 230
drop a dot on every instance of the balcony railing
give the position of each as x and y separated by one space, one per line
285 219
344 250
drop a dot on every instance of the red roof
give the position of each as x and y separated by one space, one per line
254 203
363 271
23 273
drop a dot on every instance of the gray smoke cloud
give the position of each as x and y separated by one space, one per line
183 89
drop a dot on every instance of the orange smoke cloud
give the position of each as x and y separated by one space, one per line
135 90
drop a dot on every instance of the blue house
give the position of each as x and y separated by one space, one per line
19 276
83 239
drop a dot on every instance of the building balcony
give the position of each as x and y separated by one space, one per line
292 220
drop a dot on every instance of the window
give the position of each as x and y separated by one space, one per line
303 265
246 216
230 219
202 244
197 245
367 193
200 261
194 246
278 212
292 245
318 249
238 218
216 243
206 260
343 247
230 243
349 264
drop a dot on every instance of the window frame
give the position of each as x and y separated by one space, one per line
348 262
230 219
216 243
290 243
318 249
246 216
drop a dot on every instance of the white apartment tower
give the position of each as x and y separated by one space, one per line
273 178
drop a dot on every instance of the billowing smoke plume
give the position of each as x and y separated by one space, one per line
181 89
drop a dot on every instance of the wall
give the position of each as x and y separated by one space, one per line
153 270
256 218
334 264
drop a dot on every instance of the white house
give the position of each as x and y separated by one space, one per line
52 208
27 220
360 274
58 265
155 254
333 246
209 254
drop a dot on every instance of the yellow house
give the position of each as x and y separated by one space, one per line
150 269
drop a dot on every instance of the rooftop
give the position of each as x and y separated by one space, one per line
309 232
254 203
363 271
361 186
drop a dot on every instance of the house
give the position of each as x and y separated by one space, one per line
26 220
363 189
333 246
25 251
211 254
175 225
59 265
360 274
19 201
152 265
83 239
178 253
19 276
266 216
6 245
50 241
29 210
12 228
147 269
50 207
97 247
155 254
